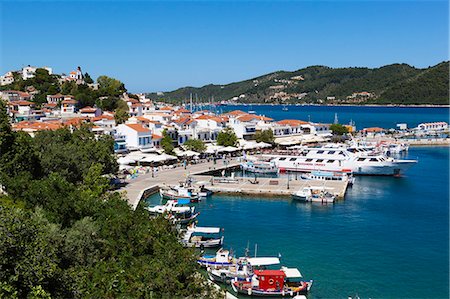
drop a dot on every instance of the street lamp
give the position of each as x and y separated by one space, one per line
288 179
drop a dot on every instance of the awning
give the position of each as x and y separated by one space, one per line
205 230
263 261
229 149
291 272
153 158
125 160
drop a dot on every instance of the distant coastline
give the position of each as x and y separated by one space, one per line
345 105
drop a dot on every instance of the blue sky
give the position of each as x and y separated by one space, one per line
154 46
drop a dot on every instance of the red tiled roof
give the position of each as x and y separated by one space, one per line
69 102
138 128
374 129
22 103
154 136
88 109
292 122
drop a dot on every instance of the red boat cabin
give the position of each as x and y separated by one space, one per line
270 279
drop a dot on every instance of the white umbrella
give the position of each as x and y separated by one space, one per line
153 158
136 156
168 157
230 149
263 145
188 154
125 160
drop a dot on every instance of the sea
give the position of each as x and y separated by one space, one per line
389 237
361 116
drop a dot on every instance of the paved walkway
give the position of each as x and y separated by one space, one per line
136 187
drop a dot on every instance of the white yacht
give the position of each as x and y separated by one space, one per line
359 161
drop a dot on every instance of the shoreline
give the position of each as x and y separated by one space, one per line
345 105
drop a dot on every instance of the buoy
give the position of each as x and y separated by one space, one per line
249 291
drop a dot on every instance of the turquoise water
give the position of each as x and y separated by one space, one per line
388 239
364 117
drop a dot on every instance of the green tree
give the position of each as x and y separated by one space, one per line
338 129
167 143
121 116
88 79
265 136
227 137
196 145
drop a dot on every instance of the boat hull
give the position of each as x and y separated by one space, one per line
246 288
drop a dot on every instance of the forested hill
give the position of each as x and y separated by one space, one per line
391 84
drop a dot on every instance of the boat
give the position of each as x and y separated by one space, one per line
241 269
175 213
328 176
221 259
314 194
177 193
354 160
202 237
273 283
258 166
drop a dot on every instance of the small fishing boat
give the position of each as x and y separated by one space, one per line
221 259
177 193
175 213
329 176
241 269
202 237
314 194
273 283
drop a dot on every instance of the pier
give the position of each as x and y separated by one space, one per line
145 184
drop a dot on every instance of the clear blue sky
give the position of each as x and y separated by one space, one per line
154 46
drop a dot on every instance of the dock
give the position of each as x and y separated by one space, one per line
146 184
269 186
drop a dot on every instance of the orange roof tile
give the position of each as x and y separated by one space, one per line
154 136
292 122
138 128
374 129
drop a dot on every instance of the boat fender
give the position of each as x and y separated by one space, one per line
291 293
271 281
249 291
282 293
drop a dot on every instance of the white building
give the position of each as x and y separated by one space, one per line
435 126
136 136
29 72
7 78
68 106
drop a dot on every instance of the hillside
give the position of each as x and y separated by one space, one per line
396 84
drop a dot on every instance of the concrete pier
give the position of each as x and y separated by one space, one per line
146 184
270 186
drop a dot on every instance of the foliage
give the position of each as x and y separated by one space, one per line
227 137
121 116
87 78
338 129
63 235
195 145
167 143
264 136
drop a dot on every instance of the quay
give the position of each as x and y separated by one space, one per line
145 185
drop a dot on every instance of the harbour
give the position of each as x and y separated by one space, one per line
374 243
